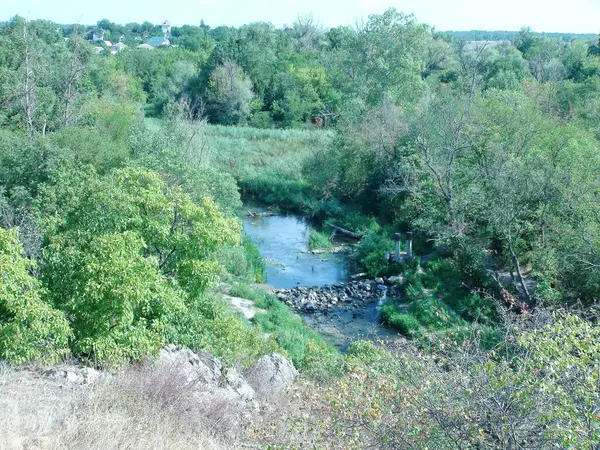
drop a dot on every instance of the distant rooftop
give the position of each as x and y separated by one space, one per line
157 41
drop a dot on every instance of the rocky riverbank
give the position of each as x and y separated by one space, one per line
354 294
345 312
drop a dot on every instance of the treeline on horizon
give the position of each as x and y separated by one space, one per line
303 73
505 35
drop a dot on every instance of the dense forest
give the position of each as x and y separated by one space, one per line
123 169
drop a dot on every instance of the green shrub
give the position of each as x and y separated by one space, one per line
444 276
470 263
29 327
431 313
209 326
243 262
326 208
81 146
318 240
371 252
261 119
181 234
116 299
391 316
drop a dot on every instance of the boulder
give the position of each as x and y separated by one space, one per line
310 307
75 375
395 279
91 376
235 382
271 374
193 367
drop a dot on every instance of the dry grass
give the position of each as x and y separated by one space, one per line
138 409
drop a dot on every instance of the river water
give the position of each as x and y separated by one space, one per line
283 243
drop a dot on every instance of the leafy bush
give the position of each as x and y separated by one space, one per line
209 326
179 150
116 299
243 262
428 310
326 208
405 323
29 327
371 251
470 264
82 146
181 234
318 240
299 341
444 276
125 252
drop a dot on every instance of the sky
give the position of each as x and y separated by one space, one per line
572 16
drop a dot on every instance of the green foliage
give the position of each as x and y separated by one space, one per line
117 300
144 249
24 163
243 262
489 155
229 93
371 253
564 364
182 235
301 343
317 240
90 146
30 328
405 323
209 326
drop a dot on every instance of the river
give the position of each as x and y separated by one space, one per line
283 243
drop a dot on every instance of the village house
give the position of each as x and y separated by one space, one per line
116 48
158 41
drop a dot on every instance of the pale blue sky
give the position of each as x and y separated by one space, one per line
580 16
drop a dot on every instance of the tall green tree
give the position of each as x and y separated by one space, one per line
229 94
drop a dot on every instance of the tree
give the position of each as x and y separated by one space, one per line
229 94
391 53
308 33
181 235
125 252
439 136
74 63
29 327
116 299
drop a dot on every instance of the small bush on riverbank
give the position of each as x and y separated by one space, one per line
243 262
371 252
318 240
391 315
208 325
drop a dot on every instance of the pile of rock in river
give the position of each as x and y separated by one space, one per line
354 294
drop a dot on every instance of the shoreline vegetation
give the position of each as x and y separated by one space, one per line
122 175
